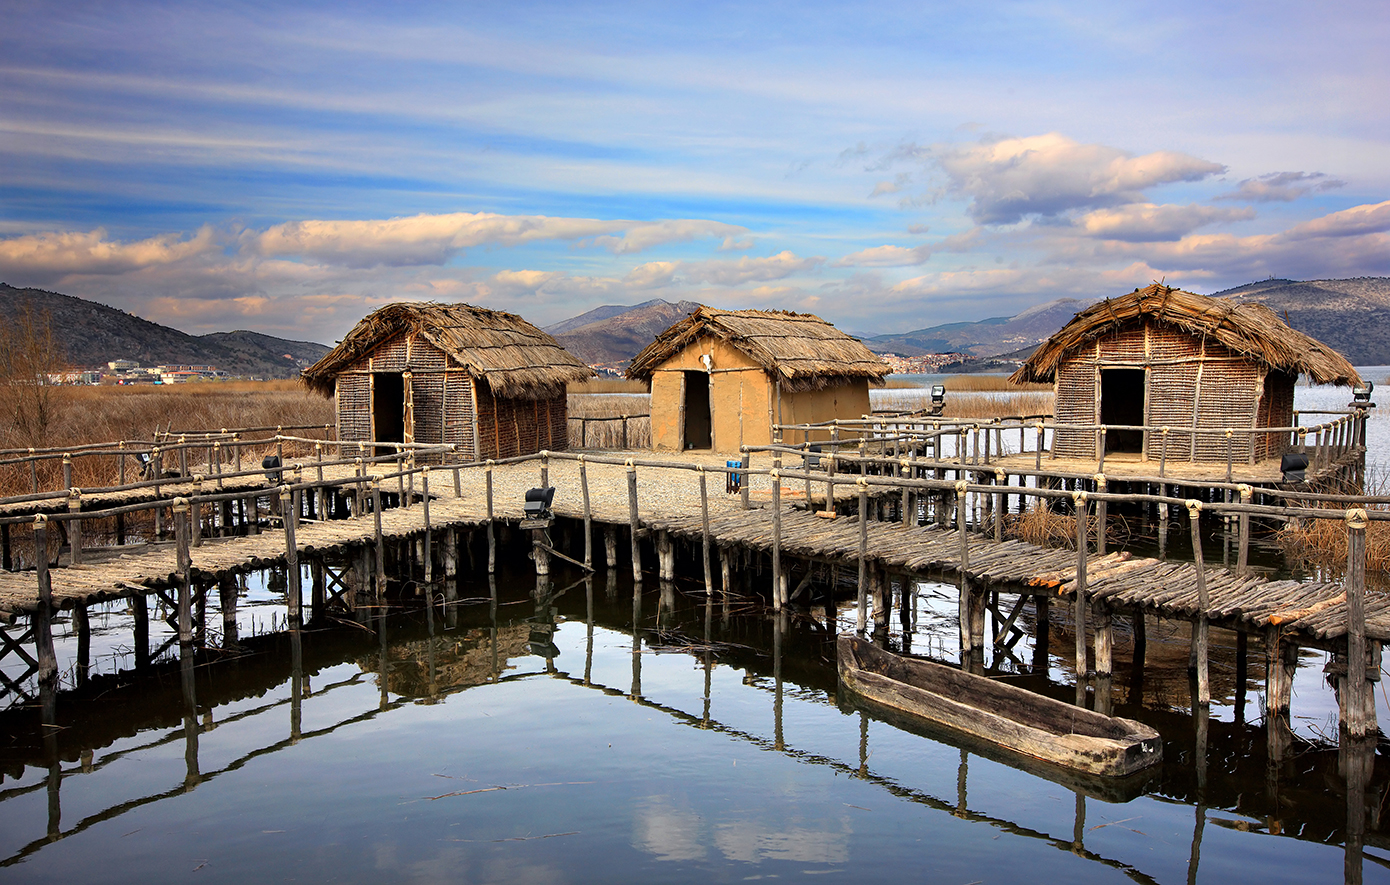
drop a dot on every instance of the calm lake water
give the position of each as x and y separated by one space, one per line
587 733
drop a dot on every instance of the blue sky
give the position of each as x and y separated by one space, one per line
289 167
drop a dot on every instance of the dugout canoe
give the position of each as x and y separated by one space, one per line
1012 718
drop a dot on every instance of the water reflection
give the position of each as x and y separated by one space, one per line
730 748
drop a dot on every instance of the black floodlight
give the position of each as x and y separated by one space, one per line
938 398
271 465
1361 396
1293 465
537 505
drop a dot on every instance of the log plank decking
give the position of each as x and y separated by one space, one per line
669 501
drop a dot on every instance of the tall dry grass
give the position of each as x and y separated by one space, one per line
608 434
107 414
972 406
1322 543
608 385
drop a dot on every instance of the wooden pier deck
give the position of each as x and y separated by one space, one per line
668 502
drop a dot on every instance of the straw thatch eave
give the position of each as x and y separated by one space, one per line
1250 330
517 360
800 350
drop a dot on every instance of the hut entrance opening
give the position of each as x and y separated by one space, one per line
388 409
698 426
1122 402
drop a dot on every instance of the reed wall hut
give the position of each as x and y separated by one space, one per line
1161 357
487 382
721 378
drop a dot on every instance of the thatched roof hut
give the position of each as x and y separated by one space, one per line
722 378
801 350
1198 366
486 381
1250 330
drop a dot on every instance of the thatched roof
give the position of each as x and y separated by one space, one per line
803 351
1251 330
518 360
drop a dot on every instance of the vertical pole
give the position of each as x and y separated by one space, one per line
863 621
289 509
777 538
227 598
75 524
1243 557
1199 637
588 513
185 566
964 604
632 523
704 533
1357 689
425 506
1101 521
491 536
380 565
1082 533
83 625
744 478
43 616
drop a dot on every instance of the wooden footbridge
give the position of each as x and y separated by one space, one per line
814 525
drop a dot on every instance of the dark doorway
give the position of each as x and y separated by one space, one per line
388 408
1122 402
697 416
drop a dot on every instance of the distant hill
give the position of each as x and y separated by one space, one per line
984 338
93 334
1352 316
614 333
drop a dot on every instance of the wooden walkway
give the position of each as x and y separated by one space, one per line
669 502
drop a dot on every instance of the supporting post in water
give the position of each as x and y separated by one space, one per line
1357 699
491 533
777 538
863 621
380 566
704 530
1082 555
289 508
185 570
588 516
44 652
1199 625
632 521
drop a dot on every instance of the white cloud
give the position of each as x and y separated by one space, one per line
1047 175
640 236
886 256
1356 221
746 270
46 257
1281 187
652 275
1148 222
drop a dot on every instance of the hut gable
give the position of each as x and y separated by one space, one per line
1180 376
487 383
800 350
1250 331
518 360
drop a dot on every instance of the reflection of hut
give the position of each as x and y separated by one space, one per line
485 381
1163 357
422 668
721 378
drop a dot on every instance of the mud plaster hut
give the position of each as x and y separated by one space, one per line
1162 357
485 381
721 378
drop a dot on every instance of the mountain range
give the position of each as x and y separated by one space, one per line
93 334
1352 316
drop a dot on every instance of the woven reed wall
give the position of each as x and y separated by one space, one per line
511 427
1191 383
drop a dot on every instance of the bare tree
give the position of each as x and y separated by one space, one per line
31 364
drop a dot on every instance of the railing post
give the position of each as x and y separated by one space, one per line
1199 637
1360 705
632 521
744 478
1101 514
289 511
44 652
75 524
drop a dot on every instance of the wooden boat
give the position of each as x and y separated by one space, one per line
1004 715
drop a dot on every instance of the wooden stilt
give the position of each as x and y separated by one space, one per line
633 526
588 513
1079 604
227 602
44 652
1199 627
863 618
610 546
